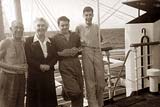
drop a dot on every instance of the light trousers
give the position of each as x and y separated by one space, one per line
93 68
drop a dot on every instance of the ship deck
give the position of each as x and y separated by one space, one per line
144 100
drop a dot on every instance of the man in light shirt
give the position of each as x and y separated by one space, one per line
13 67
93 65
41 58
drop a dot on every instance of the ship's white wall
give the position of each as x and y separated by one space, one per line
133 35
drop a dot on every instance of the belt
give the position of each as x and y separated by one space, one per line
11 72
92 47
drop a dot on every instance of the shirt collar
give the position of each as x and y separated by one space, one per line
22 39
62 33
87 26
35 39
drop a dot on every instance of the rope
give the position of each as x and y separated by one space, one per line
50 14
115 9
111 15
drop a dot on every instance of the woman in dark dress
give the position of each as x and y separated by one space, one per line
41 58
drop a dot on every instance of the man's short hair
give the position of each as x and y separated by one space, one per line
41 19
15 22
62 18
88 9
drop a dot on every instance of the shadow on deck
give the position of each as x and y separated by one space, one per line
145 100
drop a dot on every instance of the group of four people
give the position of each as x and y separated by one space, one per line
38 55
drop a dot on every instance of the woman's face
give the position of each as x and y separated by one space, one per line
40 27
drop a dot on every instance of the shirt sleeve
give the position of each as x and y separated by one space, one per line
78 34
77 30
2 49
78 41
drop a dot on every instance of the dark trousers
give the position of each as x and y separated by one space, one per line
71 73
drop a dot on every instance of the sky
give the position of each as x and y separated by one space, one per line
113 14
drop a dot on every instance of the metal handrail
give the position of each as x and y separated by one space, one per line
145 41
108 73
144 44
119 75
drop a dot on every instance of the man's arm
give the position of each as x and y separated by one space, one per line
101 37
64 52
68 52
3 45
14 68
77 30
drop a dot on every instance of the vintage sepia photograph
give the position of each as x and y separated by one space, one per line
79 53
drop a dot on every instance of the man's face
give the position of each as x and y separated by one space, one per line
40 27
88 15
17 30
64 26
